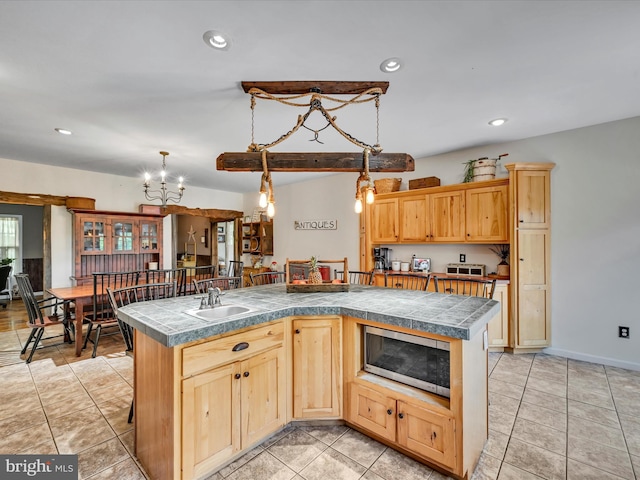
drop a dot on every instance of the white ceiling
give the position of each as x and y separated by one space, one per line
130 78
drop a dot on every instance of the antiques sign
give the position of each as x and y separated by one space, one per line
315 224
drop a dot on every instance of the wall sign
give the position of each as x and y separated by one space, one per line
315 224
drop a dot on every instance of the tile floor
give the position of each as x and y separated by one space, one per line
549 418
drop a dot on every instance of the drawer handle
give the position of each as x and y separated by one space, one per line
240 346
246 374
237 376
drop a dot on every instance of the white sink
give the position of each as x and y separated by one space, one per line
219 312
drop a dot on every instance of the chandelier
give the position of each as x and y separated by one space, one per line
163 194
311 95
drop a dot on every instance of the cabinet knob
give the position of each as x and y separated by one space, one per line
246 374
401 416
521 221
522 259
237 376
389 412
468 234
297 330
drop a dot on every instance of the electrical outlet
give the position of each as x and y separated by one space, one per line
623 332
463 258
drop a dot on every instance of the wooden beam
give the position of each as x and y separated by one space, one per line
326 87
41 199
314 162
214 214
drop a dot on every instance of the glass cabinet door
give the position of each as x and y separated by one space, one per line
148 236
123 237
93 236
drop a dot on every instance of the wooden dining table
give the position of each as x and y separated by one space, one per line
81 295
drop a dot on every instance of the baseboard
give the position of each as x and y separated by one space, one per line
612 362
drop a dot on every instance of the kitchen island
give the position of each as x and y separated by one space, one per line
206 391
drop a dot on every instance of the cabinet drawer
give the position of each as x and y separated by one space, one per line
218 352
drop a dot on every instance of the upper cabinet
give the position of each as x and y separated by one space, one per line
112 242
469 212
532 198
384 220
487 214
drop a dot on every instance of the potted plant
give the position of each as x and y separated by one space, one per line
6 261
502 251
481 169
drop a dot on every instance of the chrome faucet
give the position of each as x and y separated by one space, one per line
214 297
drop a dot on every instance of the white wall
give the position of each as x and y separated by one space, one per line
595 241
111 192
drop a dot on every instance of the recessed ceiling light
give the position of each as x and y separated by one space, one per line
391 65
216 39
497 122
63 131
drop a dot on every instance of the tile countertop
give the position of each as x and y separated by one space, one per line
449 315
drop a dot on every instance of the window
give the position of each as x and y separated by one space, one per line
10 239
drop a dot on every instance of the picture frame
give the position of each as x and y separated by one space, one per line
221 238
220 229
421 265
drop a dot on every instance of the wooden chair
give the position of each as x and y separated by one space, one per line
134 294
223 283
39 319
266 278
177 275
408 281
102 315
473 287
356 277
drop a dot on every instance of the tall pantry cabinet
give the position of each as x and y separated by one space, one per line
530 224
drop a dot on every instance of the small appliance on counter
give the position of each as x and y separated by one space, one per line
471 269
382 258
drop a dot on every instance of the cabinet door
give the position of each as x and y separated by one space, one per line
317 378
263 395
498 328
427 433
414 219
150 236
372 410
210 419
123 235
92 235
533 327
447 217
533 209
486 212
384 221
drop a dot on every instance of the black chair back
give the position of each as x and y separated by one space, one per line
266 278
356 277
223 283
120 297
101 281
408 281
473 287
177 275
198 273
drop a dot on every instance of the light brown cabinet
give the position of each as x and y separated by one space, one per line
487 215
530 223
317 367
424 431
498 328
438 217
230 407
384 220
112 242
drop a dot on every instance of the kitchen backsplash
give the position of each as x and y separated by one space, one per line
441 255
